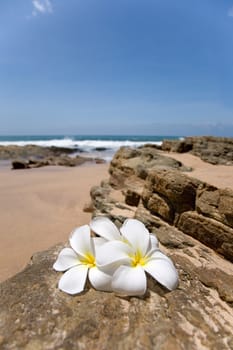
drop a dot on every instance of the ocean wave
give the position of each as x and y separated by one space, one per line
85 145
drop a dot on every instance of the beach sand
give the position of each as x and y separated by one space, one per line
40 207
220 176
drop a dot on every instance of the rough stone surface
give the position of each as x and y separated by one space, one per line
214 150
38 152
58 160
211 232
129 162
32 156
176 188
167 194
216 203
34 314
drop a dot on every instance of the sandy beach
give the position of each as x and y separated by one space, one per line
40 207
220 176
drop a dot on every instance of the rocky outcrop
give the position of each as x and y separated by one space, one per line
34 314
182 212
169 196
214 150
32 156
62 161
128 161
38 152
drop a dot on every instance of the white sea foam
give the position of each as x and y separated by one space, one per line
104 149
86 145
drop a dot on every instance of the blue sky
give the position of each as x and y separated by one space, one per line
116 67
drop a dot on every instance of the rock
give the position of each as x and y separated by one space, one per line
19 164
132 198
58 161
158 206
32 156
177 191
129 162
216 203
210 232
214 150
25 152
88 207
166 196
101 149
34 314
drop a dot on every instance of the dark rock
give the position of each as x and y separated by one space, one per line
132 198
19 164
101 149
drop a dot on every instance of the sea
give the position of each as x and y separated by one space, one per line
101 146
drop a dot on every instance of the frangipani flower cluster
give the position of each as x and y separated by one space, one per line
116 260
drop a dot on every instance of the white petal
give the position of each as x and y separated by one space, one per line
99 241
105 228
81 242
66 259
99 279
154 243
137 235
113 254
157 254
73 280
163 271
129 280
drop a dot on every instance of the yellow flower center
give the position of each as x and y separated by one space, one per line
89 260
138 259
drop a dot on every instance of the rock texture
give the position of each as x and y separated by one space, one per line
198 315
31 156
194 207
25 152
60 160
214 150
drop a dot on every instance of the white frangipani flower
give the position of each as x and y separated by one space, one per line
106 229
130 255
79 261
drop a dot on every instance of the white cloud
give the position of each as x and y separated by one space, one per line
230 12
41 6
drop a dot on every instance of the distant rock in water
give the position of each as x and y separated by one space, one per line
101 149
31 156
61 161
14 152
214 150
